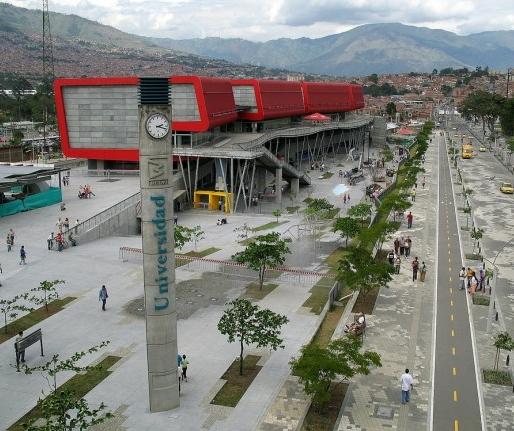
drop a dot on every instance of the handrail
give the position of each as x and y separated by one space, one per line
106 214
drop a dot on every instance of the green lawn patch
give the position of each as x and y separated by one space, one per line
270 225
473 256
497 377
328 326
333 259
319 295
246 241
325 419
203 253
292 210
235 386
480 299
327 175
252 291
79 384
307 200
33 318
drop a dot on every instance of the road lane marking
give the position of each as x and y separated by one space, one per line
453 332
456 425
451 290
453 351
451 317
454 371
455 398
450 277
451 303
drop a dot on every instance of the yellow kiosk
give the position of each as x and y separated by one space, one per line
212 200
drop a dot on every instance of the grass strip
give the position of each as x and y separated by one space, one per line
202 253
480 299
328 326
327 175
235 386
252 291
79 384
270 225
497 377
325 418
33 318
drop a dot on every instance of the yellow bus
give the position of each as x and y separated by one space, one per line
467 151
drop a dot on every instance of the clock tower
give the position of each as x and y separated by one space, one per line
155 167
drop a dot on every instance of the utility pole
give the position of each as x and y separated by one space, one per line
48 64
509 72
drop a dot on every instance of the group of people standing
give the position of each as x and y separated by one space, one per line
85 192
470 281
402 247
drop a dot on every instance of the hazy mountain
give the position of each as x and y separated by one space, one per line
372 48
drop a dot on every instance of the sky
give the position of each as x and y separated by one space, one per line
261 20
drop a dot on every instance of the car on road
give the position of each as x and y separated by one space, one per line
506 188
482 149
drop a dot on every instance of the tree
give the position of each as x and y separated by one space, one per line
62 410
56 365
248 324
373 78
387 154
264 252
277 213
391 109
48 292
507 117
10 308
182 235
483 106
377 234
360 211
317 367
242 231
510 147
197 234
347 227
399 205
467 210
476 235
502 341
360 271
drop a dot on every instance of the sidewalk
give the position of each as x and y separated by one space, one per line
400 329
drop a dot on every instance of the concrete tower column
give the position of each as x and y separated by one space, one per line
158 262
295 186
278 185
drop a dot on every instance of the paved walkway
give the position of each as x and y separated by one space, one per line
400 329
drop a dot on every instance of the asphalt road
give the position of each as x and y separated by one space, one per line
456 402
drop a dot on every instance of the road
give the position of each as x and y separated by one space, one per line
456 404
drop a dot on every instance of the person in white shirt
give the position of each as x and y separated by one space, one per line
406 380
462 278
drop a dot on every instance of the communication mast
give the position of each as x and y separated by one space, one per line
48 65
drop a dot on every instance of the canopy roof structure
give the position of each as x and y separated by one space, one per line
405 131
316 117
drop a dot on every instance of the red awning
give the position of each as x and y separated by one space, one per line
316 117
405 131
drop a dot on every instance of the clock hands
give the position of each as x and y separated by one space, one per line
161 126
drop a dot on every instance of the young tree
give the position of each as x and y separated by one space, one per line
360 271
10 308
347 227
476 235
54 366
182 235
62 410
46 292
264 252
467 211
377 234
277 213
502 341
197 234
391 110
242 231
246 323
360 211
317 367
317 209
510 147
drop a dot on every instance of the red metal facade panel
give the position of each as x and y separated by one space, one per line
327 97
60 108
215 103
275 98
358 96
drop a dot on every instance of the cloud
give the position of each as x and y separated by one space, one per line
272 19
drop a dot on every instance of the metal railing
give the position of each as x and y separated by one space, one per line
105 215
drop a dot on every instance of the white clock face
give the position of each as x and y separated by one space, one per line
157 126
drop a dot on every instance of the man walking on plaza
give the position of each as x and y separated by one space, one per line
462 279
415 267
23 255
184 365
21 353
397 264
409 220
408 243
406 381
102 296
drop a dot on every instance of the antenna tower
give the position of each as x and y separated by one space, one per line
48 65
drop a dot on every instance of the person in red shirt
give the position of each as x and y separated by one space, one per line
409 220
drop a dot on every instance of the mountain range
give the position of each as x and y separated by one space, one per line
85 47
370 48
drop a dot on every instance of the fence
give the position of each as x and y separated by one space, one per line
230 268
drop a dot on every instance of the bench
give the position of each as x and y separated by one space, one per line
29 340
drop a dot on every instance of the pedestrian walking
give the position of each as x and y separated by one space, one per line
413 194
21 353
50 241
481 280
390 257
8 242
469 275
348 198
184 364
23 255
408 243
473 284
11 234
406 381
102 296
415 267
422 272
402 246
179 359
397 264
396 246
423 182
462 278
410 217
344 198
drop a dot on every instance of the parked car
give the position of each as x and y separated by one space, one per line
482 149
506 188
